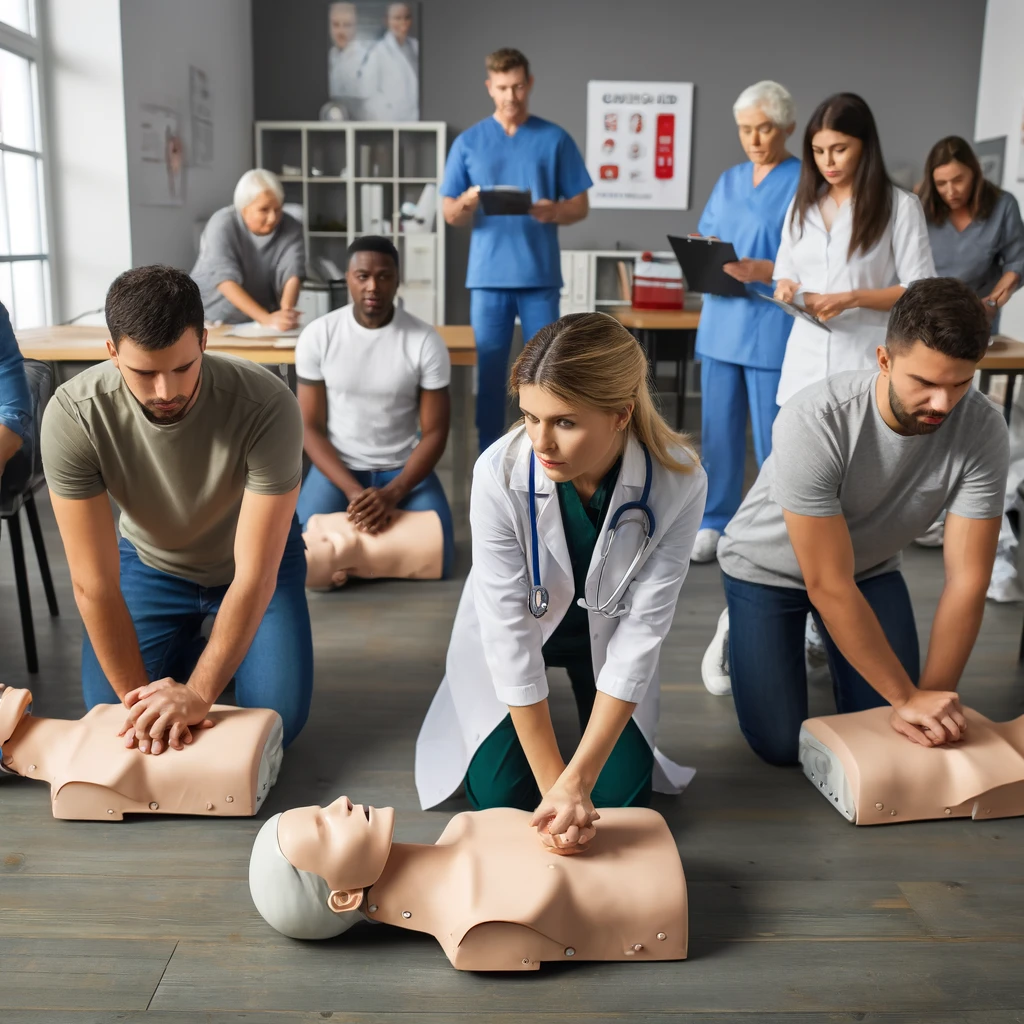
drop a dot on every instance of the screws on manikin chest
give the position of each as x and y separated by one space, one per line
154 806
879 807
230 799
406 914
662 936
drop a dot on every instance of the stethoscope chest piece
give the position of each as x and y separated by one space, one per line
538 601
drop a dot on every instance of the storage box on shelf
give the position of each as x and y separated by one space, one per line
600 279
355 178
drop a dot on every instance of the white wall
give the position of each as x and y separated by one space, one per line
160 39
88 163
1000 105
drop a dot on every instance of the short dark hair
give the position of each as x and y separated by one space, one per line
507 59
153 306
942 313
373 243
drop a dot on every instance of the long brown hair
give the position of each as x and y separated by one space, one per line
846 112
983 193
591 359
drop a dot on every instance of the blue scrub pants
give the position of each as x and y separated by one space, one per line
319 497
727 390
168 612
492 312
766 658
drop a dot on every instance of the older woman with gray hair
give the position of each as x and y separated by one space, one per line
741 341
252 257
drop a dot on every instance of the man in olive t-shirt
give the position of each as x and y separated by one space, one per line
203 455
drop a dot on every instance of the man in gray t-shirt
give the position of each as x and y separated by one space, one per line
861 464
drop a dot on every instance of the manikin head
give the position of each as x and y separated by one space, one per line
765 116
331 541
582 386
953 180
372 280
259 200
14 705
344 21
157 338
310 865
937 333
509 84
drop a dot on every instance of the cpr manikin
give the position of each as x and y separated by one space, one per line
226 770
874 776
493 896
412 548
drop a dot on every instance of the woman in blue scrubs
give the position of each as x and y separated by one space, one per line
741 342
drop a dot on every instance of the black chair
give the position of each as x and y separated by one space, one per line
22 477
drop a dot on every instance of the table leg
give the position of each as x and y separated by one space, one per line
1011 381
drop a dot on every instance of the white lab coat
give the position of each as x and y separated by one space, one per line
494 657
390 81
819 261
343 81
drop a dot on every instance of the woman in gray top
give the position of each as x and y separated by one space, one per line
974 227
252 257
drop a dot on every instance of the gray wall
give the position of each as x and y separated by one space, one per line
916 62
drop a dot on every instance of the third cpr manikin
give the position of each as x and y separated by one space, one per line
493 895
874 776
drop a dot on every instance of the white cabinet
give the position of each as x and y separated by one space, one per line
593 280
353 178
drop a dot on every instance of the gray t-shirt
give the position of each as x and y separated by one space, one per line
833 454
261 264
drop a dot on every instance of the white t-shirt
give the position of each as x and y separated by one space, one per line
373 380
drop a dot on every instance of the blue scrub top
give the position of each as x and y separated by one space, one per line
515 252
747 331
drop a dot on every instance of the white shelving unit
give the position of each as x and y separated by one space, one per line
329 168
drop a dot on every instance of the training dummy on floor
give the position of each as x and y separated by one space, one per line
872 776
226 770
493 894
411 548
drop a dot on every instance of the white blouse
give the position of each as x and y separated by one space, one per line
819 260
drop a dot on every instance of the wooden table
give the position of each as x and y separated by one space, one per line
667 334
1005 356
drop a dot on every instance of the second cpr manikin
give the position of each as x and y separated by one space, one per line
874 776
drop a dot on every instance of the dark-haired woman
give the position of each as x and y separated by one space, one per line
851 243
974 227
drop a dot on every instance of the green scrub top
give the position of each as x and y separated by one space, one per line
570 642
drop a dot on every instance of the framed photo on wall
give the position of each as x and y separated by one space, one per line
373 59
991 154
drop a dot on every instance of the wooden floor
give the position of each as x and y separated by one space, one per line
795 915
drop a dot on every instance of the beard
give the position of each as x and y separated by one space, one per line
912 422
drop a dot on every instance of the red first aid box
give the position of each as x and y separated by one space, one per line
657 284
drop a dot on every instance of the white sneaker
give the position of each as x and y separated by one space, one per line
934 535
714 666
705 545
1004 586
814 646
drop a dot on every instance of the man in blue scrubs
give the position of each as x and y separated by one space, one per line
514 264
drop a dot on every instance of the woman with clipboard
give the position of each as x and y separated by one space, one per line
741 341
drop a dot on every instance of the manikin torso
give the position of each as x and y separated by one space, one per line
873 775
412 547
227 770
497 899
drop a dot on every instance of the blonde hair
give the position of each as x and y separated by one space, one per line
591 359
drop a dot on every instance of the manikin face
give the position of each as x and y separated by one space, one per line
346 844
399 22
510 91
954 182
837 156
762 140
163 381
263 214
924 386
332 541
344 21
570 441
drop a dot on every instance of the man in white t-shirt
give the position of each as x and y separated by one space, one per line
373 389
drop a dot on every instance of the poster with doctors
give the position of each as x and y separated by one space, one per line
373 60
638 144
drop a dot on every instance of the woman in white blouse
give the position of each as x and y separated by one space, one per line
851 243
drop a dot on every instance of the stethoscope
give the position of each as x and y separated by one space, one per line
538 600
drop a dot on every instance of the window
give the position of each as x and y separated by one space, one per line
24 247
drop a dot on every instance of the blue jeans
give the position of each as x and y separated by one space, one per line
727 390
319 497
766 658
15 400
492 312
168 613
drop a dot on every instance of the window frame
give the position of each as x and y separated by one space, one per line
31 48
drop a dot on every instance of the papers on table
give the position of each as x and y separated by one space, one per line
253 331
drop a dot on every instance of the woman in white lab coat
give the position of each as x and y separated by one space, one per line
591 442
851 243
389 79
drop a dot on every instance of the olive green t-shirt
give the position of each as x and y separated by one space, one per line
179 485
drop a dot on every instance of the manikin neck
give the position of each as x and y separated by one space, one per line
35 743
417 875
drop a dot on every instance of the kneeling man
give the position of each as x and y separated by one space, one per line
203 454
861 464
